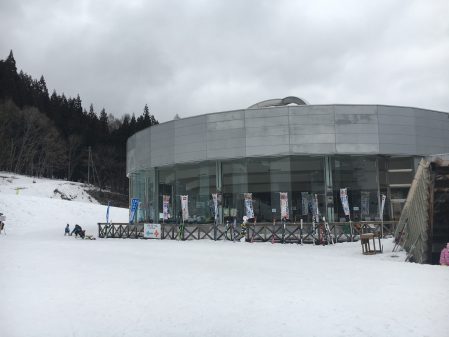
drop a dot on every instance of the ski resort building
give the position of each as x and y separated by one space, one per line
282 148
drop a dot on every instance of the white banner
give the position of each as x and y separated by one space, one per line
364 203
316 210
305 203
151 231
384 197
185 207
249 205
284 205
344 200
215 199
165 203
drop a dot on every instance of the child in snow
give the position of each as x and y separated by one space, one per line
67 230
444 256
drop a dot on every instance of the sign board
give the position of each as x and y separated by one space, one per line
152 231
2 218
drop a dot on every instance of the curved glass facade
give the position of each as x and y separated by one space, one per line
301 177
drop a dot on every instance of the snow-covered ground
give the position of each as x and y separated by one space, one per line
58 189
51 285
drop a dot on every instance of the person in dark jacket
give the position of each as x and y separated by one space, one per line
77 230
67 230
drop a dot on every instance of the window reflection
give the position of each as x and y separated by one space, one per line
303 178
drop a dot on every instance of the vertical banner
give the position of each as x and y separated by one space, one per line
165 203
249 205
284 205
133 210
219 204
215 199
107 212
364 203
384 197
305 203
185 207
344 200
316 210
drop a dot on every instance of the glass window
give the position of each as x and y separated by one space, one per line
398 163
395 176
198 182
401 178
234 184
166 187
307 180
142 187
359 176
266 179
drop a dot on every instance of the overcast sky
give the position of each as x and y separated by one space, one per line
193 57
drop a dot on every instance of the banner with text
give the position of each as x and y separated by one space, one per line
305 203
133 210
165 203
284 205
316 209
344 200
185 207
216 197
249 211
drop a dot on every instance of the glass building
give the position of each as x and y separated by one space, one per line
309 152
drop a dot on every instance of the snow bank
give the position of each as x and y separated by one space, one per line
51 285
40 187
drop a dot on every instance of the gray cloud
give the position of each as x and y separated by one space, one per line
194 57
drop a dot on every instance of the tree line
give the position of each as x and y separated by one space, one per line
51 135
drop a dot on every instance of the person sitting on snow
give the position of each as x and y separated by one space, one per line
67 230
444 256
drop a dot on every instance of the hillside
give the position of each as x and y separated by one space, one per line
45 188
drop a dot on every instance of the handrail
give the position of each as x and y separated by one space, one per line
288 232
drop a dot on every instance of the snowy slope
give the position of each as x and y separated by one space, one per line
57 189
51 285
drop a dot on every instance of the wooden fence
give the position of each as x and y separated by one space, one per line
260 232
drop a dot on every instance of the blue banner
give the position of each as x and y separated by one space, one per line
133 210
107 212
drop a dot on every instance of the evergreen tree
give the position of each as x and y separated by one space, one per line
42 86
11 63
48 135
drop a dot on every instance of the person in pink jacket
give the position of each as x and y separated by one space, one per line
444 257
